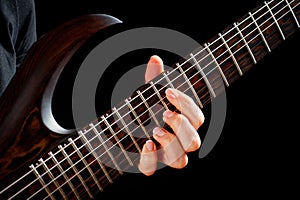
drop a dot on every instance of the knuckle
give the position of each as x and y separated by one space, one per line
186 99
179 119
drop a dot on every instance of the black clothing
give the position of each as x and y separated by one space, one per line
17 34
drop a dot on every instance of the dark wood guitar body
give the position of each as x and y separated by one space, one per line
23 134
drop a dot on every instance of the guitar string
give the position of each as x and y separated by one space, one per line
294 7
271 24
244 45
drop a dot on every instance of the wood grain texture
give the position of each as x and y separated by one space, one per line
23 135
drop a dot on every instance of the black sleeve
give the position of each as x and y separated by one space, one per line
17 34
27 28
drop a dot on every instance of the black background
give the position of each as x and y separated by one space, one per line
257 151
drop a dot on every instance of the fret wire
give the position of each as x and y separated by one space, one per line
95 155
85 163
260 32
158 94
64 175
106 149
117 139
137 118
204 76
76 138
42 182
217 64
149 109
231 54
292 11
76 171
52 177
168 80
190 85
244 40
276 22
127 129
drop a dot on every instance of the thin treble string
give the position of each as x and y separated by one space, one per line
207 74
252 31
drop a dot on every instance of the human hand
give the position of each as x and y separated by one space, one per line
185 138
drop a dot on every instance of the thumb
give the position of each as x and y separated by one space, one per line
155 66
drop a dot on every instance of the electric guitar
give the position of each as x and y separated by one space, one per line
42 160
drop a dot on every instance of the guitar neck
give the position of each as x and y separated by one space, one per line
239 47
107 147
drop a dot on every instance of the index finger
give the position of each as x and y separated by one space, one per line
186 106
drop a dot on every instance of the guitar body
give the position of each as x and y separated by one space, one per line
23 133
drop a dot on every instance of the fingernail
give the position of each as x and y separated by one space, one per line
171 93
149 145
168 114
155 59
157 131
